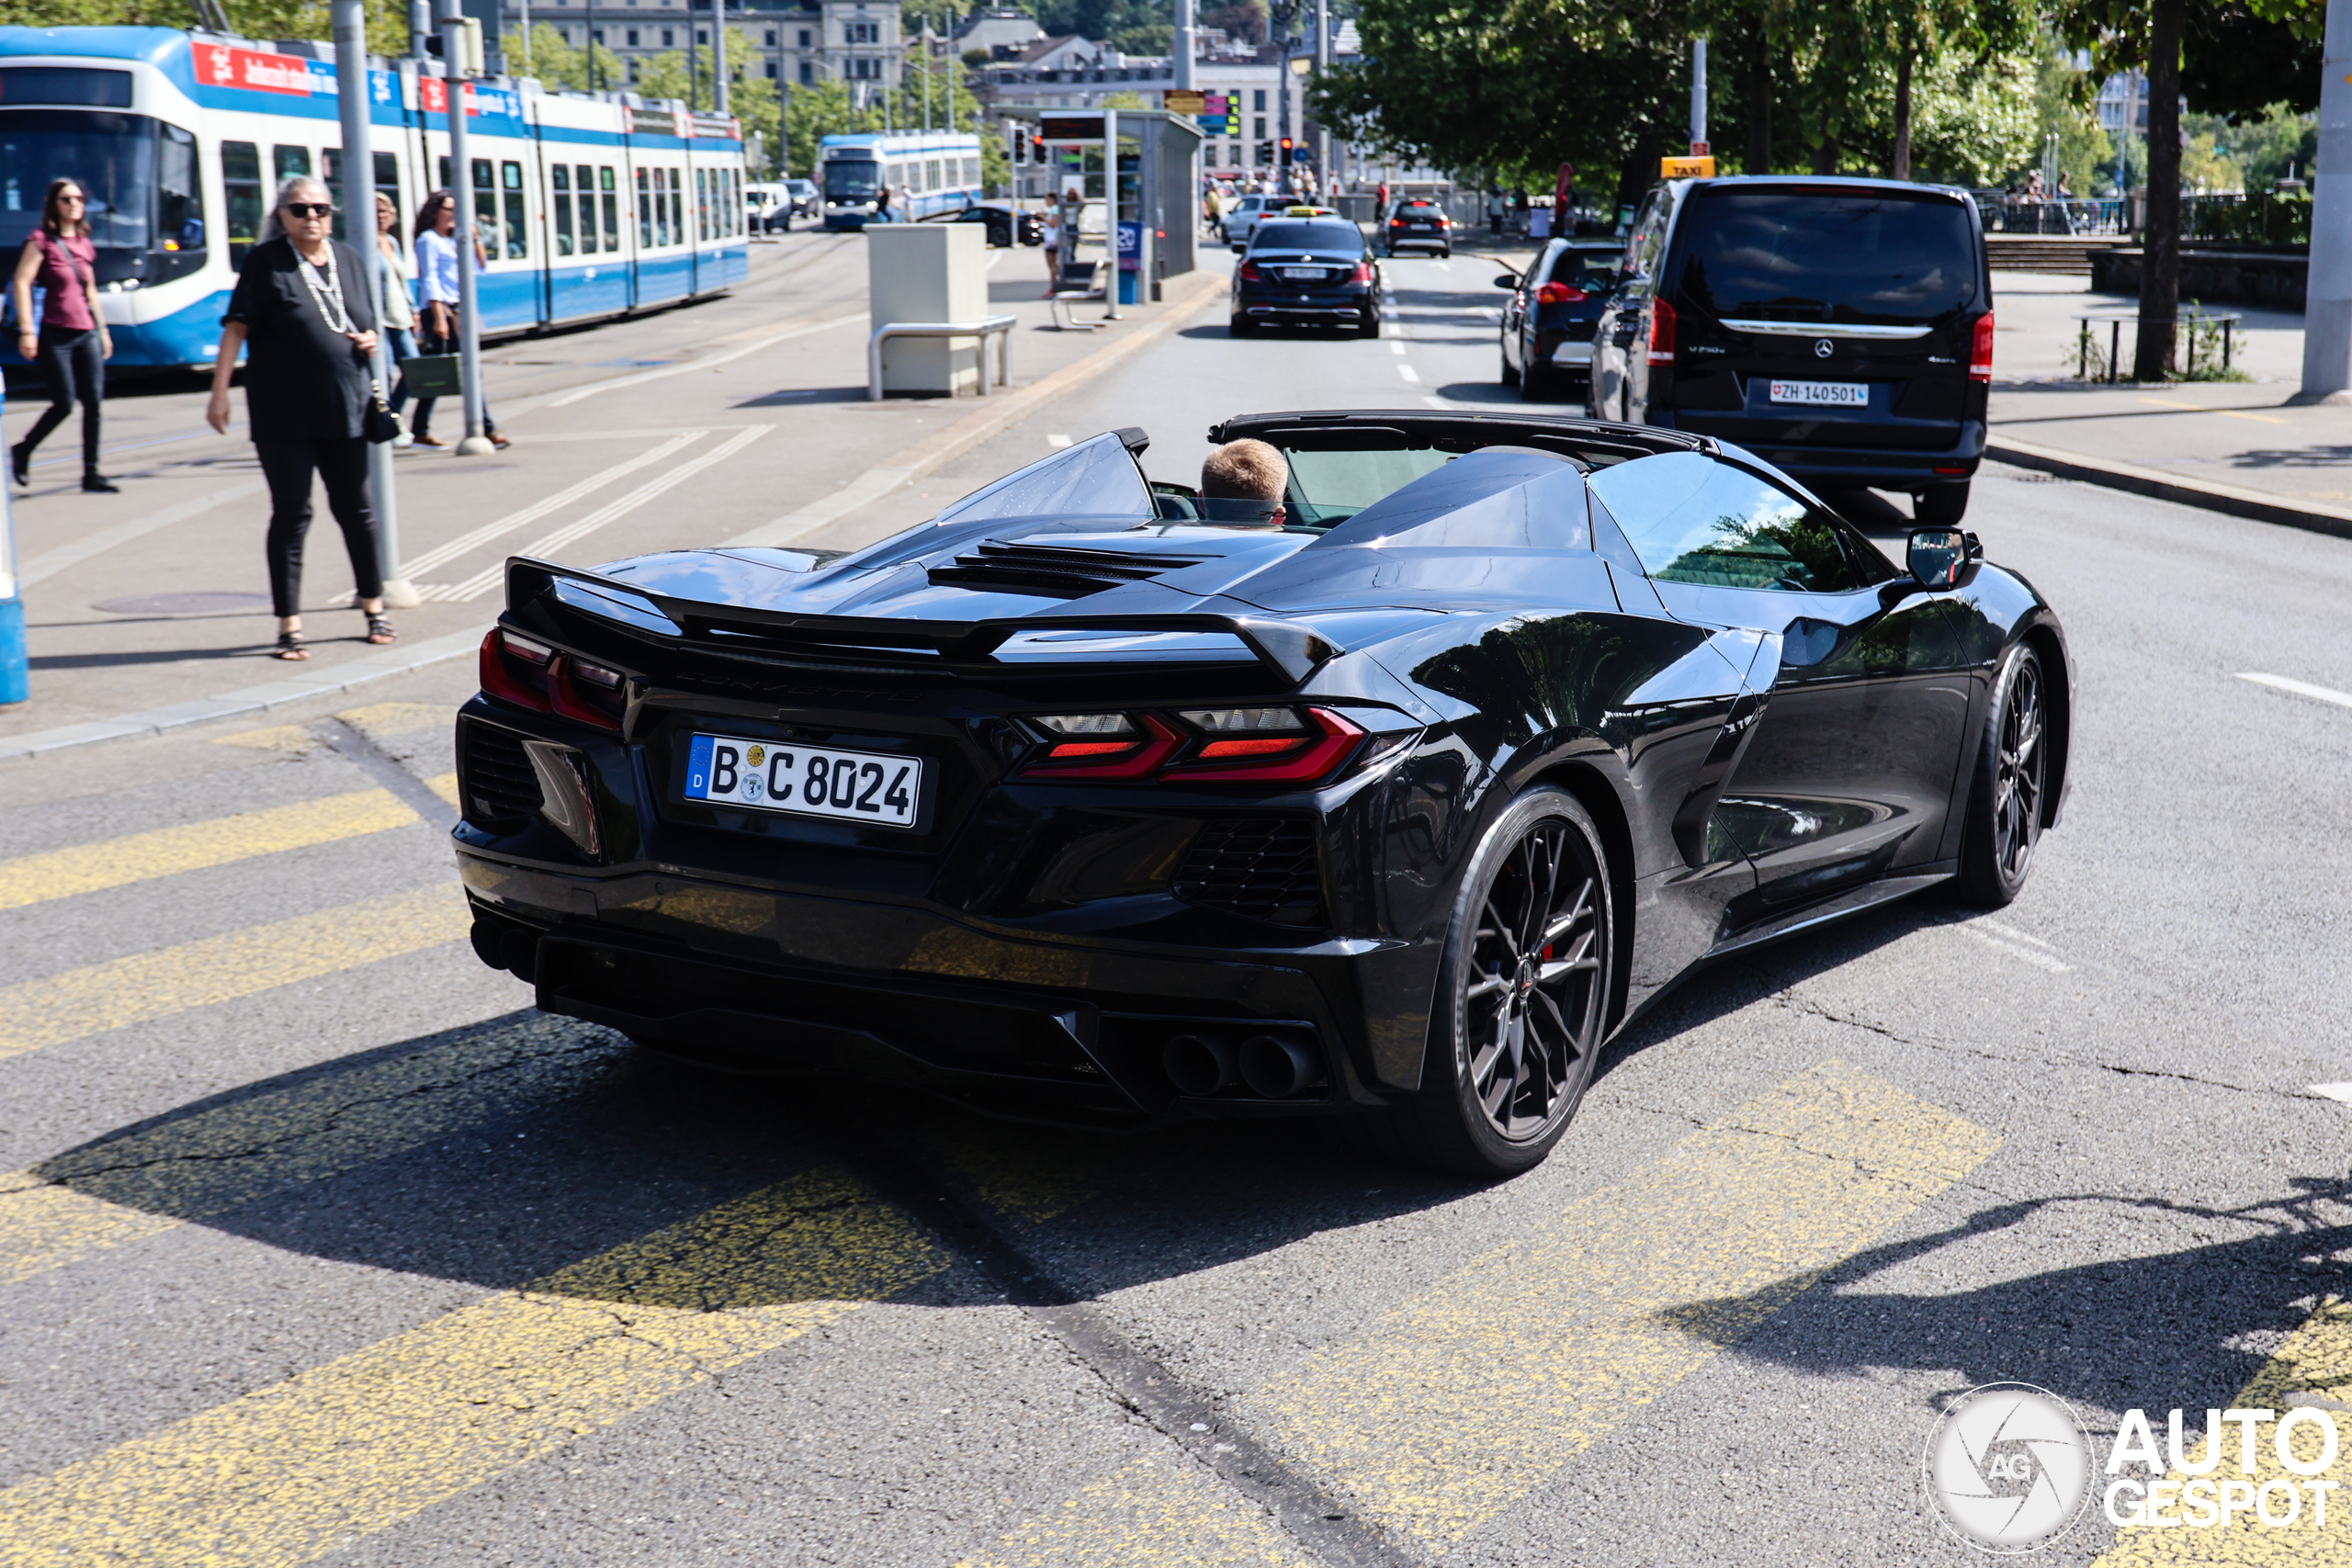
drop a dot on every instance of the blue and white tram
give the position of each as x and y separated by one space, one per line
938 169
587 207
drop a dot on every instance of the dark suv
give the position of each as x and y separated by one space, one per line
1841 329
1307 271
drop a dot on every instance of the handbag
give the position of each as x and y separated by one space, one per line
433 375
375 421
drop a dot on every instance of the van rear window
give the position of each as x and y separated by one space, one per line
1827 256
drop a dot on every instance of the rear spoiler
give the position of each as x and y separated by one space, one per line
1292 652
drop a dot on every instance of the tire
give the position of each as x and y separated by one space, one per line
1541 868
1940 506
1369 326
1535 384
1510 378
2006 800
1240 326
1446 255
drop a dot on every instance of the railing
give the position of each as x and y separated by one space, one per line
2258 218
2002 213
1000 325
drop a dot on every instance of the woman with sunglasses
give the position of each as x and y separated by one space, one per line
437 281
300 309
71 344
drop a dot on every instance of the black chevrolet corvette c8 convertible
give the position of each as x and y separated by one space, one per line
1074 805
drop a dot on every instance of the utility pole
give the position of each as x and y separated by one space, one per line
693 58
926 76
353 108
719 56
1698 97
1322 69
461 190
1184 44
2327 312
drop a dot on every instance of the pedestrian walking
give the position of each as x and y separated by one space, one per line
400 315
71 344
437 275
1050 238
300 310
881 207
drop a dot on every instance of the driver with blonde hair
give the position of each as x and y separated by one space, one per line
1242 484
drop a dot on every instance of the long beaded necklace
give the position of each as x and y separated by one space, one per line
326 292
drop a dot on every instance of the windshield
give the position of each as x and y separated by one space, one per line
1341 237
1094 477
112 156
1329 488
851 181
1829 258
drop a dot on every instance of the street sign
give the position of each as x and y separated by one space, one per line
1183 101
1686 168
1071 127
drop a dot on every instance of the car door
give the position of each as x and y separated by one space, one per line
1848 774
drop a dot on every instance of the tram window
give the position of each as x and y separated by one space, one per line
644 209
702 205
240 186
180 205
931 174
677 207
584 182
290 162
560 198
611 207
518 218
485 207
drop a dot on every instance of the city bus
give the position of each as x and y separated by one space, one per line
589 206
937 171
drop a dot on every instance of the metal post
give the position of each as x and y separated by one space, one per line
694 59
354 107
16 678
461 182
1185 44
1111 208
526 37
1322 69
2327 310
1698 95
719 56
926 76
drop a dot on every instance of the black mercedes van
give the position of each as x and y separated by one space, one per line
1839 327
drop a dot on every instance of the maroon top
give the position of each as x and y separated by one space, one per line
65 262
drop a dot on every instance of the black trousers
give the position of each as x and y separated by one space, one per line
77 366
427 344
341 466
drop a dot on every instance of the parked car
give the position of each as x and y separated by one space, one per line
1547 327
1007 224
804 198
1243 217
1417 223
768 209
1306 272
1071 807
1840 328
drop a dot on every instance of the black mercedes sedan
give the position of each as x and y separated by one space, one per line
1069 805
1306 272
1554 306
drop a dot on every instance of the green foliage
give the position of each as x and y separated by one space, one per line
558 64
2062 96
2270 147
2264 218
387 19
827 108
751 97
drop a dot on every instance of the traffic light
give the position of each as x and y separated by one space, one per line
1265 152
1287 152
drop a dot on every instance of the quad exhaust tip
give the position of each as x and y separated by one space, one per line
1271 1066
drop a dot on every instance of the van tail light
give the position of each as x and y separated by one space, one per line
1661 333
1980 352
1250 272
1100 752
1445 223
1395 222
1560 294
515 670
1362 273
1282 759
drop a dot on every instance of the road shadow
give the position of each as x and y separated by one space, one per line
2294 457
802 396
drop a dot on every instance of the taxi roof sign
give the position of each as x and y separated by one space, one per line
1686 168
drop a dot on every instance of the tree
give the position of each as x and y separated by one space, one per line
387 19
558 64
751 97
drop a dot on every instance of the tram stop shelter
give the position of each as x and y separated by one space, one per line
1153 218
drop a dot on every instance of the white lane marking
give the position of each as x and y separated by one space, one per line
2022 954
1440 403
1442 265
440 555
492 577
49 563
2342 1091
1057 441
708 361
993 261
2300 688
869 486
2001 927
1396 345
1409 374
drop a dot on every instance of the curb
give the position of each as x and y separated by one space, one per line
2209 495
1005 410
253 699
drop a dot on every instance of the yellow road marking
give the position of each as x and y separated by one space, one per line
276 738
193 1166
1466 1397
1162 1510
136 857
293 1471
146 986
2203 407
397 718
446 786
2315 1360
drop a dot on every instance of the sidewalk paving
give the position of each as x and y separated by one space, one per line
2229 446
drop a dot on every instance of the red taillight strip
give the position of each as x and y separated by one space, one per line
499 681
1980 358
568 705
1147 758
1340 741
1661 333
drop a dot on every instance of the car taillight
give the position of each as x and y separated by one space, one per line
1661 333
1299 757
1560 294
1104 746
515 669
1980 353
586 693
1445 223
1250 272
1362 273
1395 222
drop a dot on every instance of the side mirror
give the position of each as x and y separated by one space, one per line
1508 280
1239 246
1938 558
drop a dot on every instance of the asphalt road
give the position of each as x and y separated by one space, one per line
322 1245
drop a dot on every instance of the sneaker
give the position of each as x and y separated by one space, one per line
500 441
403 441
20 463
99 484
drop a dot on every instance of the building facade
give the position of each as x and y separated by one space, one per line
800 42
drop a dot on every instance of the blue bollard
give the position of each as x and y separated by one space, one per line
16 677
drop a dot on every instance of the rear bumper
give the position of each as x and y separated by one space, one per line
1820 459
759 981
1328 308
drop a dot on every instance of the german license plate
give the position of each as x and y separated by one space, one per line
805 781
1304 274
1834 394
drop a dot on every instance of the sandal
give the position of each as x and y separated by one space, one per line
289 646
379 629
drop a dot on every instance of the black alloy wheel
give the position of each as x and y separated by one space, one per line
1522 1004
1940 506
1509 373
2005 803
1240 326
